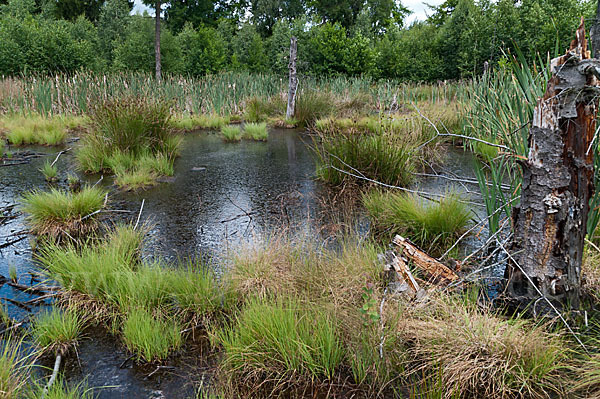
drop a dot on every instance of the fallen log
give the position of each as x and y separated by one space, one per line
434 270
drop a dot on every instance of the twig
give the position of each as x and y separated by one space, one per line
99 180
544 297
160 368
474 227
13 327
448 134
139 214
408 190
126 360
16 240
53 377
58 156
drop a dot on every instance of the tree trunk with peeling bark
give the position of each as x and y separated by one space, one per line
293 87
550 222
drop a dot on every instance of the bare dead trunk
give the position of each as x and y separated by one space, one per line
291 102
157 42
550 222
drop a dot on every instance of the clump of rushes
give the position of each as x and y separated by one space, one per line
37 129
13 375
231 133
379 157
590 275
258 109
2 147
473 353
12 273
152 339
256 131
49 171
55 212
193 122
312 105
432 225
133 138
279 340
61 390
109 280
74 183
57 331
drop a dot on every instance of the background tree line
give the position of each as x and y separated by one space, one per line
353 37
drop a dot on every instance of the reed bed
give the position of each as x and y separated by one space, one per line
222 94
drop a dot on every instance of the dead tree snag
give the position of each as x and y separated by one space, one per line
291 100
550 222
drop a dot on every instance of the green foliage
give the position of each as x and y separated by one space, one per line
136 52
203 49
280 339
55 212
61 390
256 131
231 133
432 225
152 339
57 330
248 50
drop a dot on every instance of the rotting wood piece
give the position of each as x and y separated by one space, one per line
434 270
550 222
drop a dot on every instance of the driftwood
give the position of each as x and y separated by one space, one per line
550 222
434 270
291 100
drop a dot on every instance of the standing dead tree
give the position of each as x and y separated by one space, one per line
291 100
550 222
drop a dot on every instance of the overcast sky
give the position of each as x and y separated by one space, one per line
416 6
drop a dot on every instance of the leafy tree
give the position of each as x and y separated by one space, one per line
136 51
112 26
265 13
248 50
71 9
343 12
326 49
203 50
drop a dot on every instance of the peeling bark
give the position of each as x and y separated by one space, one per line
291 100
550 222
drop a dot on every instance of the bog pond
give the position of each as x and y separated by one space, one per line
222 196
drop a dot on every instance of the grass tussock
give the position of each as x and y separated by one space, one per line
434 226
61 390
378 157
231 133
49 171
57 330
281 340
259 109
55 212
133 138
110 281
590 275
469 352
151 338
37 129
195 122
13 372
256 131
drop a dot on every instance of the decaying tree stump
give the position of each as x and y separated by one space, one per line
550 222
291 100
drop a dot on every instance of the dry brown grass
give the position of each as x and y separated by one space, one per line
471 352
590 275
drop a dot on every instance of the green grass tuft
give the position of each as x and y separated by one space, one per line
379 157
57 330
150 338
49 171
13 376
56 212
432 225
256 131
281 339
231 133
